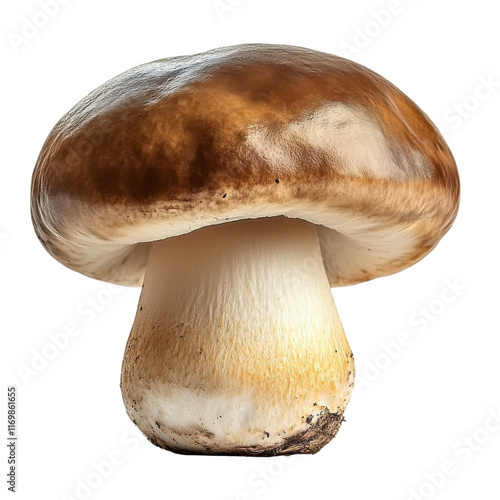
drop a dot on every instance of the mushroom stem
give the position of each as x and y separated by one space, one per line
237 347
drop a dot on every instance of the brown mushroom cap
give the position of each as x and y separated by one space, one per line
237 133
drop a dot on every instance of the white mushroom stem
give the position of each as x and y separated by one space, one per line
237 347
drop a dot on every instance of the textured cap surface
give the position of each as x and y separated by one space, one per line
244 132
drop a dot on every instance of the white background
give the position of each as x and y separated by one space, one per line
429 406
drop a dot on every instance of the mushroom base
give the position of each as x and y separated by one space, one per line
309 441
237 348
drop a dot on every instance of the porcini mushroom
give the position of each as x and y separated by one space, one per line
237 187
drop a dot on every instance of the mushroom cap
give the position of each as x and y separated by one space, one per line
244 132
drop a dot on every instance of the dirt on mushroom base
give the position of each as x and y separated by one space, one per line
318 434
